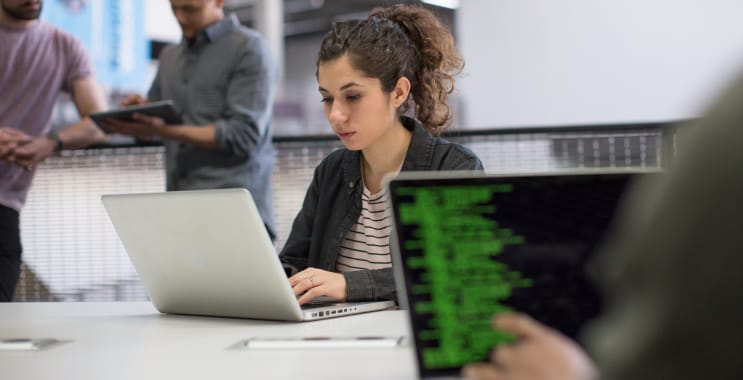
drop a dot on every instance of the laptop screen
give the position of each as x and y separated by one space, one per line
470 247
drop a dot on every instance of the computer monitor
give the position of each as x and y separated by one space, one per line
470 246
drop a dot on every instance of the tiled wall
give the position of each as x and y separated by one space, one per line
71 251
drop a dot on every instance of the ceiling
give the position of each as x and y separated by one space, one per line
303 17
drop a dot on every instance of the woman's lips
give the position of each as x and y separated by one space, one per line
345 135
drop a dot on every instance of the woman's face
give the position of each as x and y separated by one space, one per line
358 110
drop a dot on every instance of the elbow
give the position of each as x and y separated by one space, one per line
238 141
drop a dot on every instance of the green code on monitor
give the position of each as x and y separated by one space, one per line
453 239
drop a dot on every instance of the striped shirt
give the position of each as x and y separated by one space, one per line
367 243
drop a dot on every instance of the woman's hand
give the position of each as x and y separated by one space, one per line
540 353
312 283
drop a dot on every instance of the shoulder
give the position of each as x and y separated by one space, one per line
68 42
334 161
249 47
244 37
64 51
245 34
443 145
428 152
453 156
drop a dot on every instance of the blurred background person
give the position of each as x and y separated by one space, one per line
671 275
38 62
222 79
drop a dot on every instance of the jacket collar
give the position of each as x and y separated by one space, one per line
418 157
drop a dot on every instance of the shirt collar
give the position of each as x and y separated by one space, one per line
418 157
214 31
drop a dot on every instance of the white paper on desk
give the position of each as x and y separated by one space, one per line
323 342
24 344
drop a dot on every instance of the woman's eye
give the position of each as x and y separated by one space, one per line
353 98
326 99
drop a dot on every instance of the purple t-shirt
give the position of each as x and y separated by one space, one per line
36 63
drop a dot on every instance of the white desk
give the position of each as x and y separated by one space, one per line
122 340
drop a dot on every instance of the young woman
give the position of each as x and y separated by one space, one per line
370 72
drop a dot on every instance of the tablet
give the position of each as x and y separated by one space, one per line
164 109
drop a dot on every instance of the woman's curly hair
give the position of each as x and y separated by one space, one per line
402 41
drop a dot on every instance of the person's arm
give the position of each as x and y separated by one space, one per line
374 284
88 98
10 139
295 253
313 282
308 282
149 127
248 102
359 285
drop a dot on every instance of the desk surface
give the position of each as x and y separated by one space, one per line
131 340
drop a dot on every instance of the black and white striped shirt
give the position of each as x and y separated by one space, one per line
367 243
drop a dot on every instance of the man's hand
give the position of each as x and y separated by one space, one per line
10 140
540 353
33 152
144 127
312 283
132 100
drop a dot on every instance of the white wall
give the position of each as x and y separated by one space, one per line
160 22
567 62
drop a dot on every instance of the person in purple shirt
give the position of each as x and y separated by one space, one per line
38 62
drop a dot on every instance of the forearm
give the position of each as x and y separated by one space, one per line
199 135
81 134
365 285
88 98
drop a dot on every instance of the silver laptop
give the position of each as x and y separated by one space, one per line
207 252
470 246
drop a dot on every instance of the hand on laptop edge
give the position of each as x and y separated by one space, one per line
312 283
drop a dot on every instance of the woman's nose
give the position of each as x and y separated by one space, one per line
337 114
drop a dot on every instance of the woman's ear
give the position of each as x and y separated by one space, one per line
400 92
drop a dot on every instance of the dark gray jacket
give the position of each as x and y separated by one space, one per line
333 204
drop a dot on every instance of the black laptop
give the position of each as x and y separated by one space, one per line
469 246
